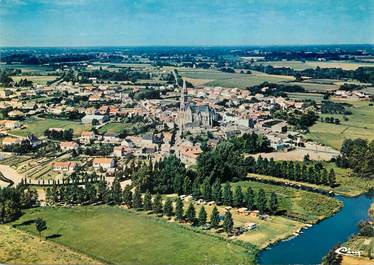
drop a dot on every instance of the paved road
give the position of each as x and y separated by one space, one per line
11 174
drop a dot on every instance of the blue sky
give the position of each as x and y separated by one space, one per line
184 22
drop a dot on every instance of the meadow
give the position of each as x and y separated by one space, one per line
306 96
38 126
211 77
120 236
359 125
299 65
18 247
308 207
36 79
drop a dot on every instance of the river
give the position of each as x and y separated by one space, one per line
314 243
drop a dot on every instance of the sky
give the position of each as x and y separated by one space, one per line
185 22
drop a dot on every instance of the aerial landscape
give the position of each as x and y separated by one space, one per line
187 132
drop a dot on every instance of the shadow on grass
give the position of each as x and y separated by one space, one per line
28 222
53 236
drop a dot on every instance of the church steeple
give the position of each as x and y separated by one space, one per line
183 96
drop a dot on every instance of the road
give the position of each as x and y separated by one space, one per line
11 174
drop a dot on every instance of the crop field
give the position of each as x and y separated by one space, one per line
316 87
306 96
309 207
299 65
36 79
38 126
18 247
359 125
231 80
120 236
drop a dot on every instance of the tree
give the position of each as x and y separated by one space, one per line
179 209
168 207
273 207
332 178
214 218
157 204
116 192
216 191
227 194
196 188
228 222
137 199
332 258
206 189
102 191
190 213
261 201
40 225
148 201
238 198
127 196
187 185
250 199
202 216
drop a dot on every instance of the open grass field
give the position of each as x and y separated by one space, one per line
38 126
36 79
118 127
306 96
18 247
119 236
307 206
299 65
316 87
359 125
231 80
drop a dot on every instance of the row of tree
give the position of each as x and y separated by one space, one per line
59 134
298 171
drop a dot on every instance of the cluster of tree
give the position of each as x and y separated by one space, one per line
125 74
271 89
350 87
251 143
227 70
5 79
13 200
146 94
330 120
332 258
23 83
165 176
49 58
300 119
366 228
98 150
334 108
358 155
59 134
298 171
18 148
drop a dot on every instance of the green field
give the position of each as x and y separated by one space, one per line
299 65
118 127
27 68
217 78
18 247
316 87
306 96
36 79
38 126
307 206
359 125
119 236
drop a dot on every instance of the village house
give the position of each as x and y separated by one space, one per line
64 166
10 124
69 146
87 137
103 163
188 153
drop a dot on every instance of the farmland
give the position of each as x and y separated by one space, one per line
359 125
119 236
218 78
18 247
38 126
37 79
299 65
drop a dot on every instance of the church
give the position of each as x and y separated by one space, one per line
192 115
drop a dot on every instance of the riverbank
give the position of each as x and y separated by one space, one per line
320 237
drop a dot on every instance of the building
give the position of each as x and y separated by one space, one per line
188 153
103 163
64 166
192 115
69 146
87 137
